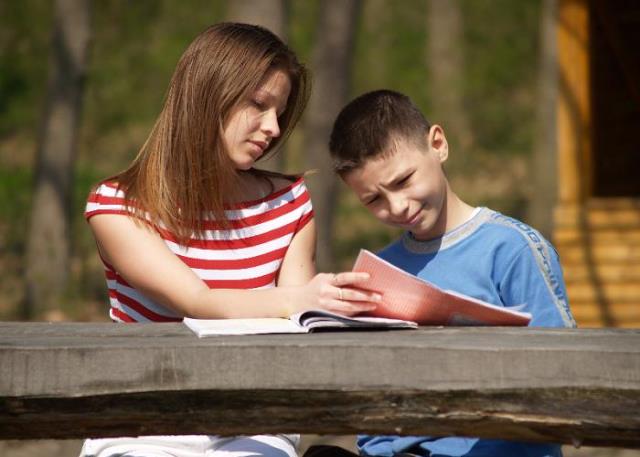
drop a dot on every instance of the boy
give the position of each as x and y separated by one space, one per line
391 157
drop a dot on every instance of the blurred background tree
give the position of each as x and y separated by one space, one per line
331 64
49 240
471 65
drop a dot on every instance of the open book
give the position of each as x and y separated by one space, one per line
407 297
304 322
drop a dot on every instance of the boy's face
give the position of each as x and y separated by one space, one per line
406 187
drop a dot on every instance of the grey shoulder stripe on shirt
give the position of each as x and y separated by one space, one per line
540 249
448 239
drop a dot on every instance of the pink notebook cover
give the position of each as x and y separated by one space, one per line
405 296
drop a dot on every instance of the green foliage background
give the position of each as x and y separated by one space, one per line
135 46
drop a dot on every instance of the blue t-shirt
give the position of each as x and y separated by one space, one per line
499 260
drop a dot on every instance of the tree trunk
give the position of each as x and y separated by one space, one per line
273 15
543 198
446 70
377 25
48 247
331 68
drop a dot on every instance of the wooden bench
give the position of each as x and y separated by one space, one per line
75 380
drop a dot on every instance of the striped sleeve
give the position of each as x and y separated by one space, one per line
245 253
106 199
306 209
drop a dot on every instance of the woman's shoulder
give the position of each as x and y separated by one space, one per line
280 197
293 186
107 197
265 186
109 191
106 187
280 183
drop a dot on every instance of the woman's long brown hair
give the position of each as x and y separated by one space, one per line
183 171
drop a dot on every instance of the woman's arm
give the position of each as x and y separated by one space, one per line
298 265
145 262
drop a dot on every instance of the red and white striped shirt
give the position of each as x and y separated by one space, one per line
247 255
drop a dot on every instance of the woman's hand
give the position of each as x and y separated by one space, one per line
339 293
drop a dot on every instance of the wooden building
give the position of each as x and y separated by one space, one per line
597 218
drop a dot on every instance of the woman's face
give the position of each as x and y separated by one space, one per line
254 122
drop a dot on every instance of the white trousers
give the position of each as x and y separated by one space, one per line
193 446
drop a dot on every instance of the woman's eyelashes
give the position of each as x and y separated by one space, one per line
259 104
263 106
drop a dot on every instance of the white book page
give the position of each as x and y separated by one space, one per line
210 327
321 318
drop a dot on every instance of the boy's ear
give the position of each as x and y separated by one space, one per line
437 141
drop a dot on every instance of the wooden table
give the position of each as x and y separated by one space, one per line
75 380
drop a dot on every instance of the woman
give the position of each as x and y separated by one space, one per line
193 229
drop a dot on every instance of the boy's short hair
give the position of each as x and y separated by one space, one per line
366 127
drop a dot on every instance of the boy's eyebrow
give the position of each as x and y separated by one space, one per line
367 195
397 177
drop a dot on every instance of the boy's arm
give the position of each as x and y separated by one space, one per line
534 277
